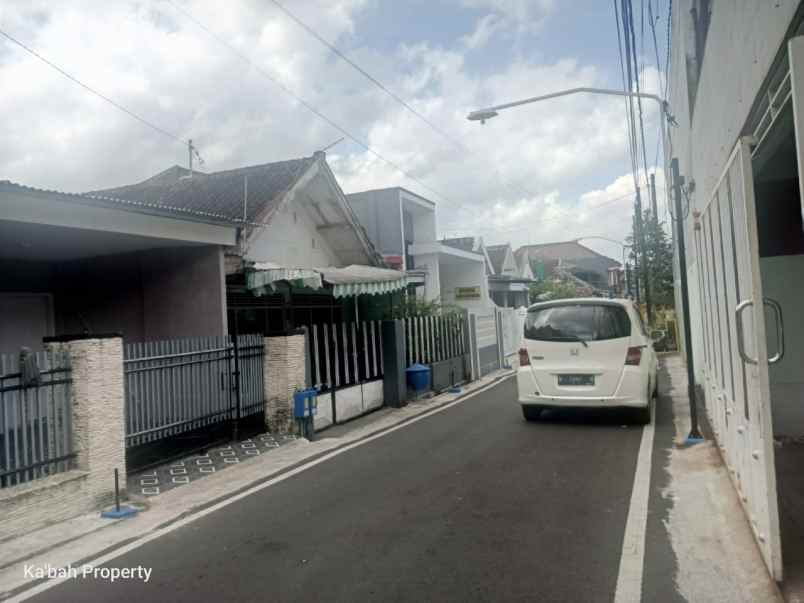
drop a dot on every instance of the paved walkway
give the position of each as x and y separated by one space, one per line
158 480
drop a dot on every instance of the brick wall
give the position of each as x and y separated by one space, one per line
284 374
98 439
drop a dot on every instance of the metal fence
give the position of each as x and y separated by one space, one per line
181 385
345 354
431 339
35 421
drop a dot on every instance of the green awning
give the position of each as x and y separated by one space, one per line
362 280
346 282
263 278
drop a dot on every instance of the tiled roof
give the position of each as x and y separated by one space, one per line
565 250
220 193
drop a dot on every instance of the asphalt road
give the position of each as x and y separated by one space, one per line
470 504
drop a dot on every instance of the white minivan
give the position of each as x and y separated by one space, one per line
586 353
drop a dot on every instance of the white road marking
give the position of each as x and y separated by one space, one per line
224 503
632 559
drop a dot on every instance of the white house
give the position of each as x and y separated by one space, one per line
296 228
402 226
509 281
738 143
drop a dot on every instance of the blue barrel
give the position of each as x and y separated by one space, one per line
418 377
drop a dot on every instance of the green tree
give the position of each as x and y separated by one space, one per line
660 261
552 289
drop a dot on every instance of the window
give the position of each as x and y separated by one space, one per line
589 322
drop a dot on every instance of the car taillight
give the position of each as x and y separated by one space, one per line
524 357
633 356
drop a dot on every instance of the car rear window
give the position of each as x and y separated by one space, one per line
570 322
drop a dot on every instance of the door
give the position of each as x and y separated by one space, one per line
736 358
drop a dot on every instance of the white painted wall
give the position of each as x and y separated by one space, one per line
781 280
744 35
292 240
465 274
432 280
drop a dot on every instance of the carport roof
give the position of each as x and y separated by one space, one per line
132 205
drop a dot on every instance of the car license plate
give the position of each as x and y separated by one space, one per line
576 379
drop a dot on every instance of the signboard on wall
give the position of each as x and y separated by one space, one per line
467 292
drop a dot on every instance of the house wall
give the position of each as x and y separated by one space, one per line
148 295
745 35
184 292
379 213
432 280
464 274
292 240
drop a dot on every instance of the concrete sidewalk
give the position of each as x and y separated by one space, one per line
716 557
83 538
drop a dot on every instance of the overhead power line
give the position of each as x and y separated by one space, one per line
100 95
307 105
335 50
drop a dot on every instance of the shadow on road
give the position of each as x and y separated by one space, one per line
588 417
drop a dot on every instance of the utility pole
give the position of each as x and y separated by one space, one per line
695 433
190 155
644 250
628 279
654 210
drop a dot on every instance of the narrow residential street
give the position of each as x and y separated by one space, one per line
470 504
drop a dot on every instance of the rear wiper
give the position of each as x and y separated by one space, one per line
577 338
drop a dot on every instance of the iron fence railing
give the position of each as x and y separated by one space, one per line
181 385
35 419
345 354
431 339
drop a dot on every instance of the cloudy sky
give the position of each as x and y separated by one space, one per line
220 72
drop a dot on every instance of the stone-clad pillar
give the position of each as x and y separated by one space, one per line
285 373
98 410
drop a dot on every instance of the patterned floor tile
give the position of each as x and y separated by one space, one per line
177 473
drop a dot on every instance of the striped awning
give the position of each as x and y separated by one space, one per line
264 276
362 280
346 282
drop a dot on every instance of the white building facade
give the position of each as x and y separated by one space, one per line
736 89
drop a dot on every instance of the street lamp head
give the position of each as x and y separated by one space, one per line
481 115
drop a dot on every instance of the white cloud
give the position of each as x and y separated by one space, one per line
152 59
485 28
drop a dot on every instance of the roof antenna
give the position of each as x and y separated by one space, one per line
192 151
332 144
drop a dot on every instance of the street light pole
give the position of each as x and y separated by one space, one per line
482 115
695 433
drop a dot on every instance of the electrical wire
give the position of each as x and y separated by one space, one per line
626 99
307 105
335 50
100 95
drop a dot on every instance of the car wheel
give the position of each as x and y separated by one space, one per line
642 415
532 413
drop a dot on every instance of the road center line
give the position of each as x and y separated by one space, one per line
102 560
632 559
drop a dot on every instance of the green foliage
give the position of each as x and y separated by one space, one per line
552 289
660 261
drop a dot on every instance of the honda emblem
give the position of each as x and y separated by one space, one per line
574 351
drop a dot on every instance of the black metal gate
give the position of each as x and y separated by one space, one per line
182 386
